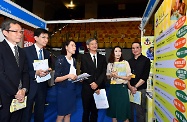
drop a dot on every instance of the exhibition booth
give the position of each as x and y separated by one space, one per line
167 49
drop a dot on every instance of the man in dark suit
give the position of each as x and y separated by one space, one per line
14 77
95 65
37 90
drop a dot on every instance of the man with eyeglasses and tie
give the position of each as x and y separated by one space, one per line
14 77
37 90
95 65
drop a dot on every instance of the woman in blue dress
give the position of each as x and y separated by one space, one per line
65 72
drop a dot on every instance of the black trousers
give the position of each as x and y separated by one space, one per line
90 112
138 112
5 115
39 106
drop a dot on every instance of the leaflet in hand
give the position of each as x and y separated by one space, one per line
135 98
41 65
16 105
101 100
81 77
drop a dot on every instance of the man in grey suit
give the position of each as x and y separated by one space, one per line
14 77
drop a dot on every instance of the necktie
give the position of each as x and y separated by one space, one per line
94 60
40 55
17 60
16 54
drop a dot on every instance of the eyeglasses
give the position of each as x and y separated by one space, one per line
21 32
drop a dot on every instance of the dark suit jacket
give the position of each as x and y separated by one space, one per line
0 102
98 74
31 56
62 68
10 73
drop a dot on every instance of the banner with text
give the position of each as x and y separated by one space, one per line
170 62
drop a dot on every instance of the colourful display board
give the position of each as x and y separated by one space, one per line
147 43
170 77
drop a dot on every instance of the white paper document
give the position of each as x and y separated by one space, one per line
101 100
81 77
135 98
41 65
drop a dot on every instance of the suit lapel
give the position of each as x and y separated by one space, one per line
45 54
34 53
10 53
98 59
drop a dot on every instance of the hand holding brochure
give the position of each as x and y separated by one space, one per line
135 98
81 77
101 100
43 65
15 105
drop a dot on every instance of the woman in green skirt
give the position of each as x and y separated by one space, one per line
118 70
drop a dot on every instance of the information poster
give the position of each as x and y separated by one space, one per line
170 77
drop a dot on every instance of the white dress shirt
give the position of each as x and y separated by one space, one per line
93 57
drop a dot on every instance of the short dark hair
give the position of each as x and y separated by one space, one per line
66 43
112 56
39 31
89 40
137 43
6 24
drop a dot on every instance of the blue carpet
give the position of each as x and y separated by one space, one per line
51 113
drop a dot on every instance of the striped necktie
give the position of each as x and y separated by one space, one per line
16 54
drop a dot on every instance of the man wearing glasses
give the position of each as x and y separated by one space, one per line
14 77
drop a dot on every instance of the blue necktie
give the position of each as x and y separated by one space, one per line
40 55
